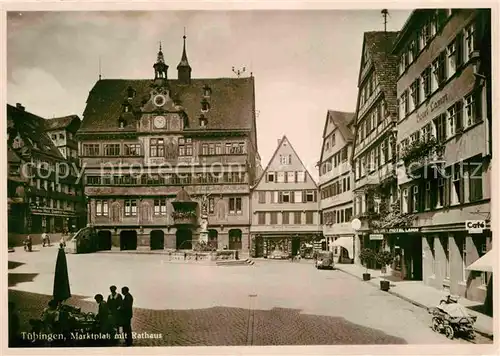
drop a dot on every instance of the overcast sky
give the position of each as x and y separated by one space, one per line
304 62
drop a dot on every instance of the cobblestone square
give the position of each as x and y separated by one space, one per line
268 303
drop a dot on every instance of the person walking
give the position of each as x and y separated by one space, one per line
126 315
114 304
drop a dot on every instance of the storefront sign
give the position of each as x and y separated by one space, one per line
398 230
432 106
48 211
475 226
376 237
156 161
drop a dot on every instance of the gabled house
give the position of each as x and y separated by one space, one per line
375 183
284 203
336 183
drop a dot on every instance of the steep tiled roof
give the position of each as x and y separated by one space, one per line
379 46
59 122
31 129
231 102
342 121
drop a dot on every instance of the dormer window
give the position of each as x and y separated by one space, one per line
203 121
207 91
205 105
130 92
121 123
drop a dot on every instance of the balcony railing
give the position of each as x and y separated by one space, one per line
184 217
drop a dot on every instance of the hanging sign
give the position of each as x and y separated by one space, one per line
475 226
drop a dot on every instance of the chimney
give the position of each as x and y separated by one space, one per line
20 106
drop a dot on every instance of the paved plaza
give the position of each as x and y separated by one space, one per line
268 303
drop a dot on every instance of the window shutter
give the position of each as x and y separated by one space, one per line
447 182
315 196
286 177
421 193
280 197
462 189
292 197
303 196
459 50
267 179
478 103
296 177
433 198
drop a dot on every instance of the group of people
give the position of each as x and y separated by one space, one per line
28 242
116 312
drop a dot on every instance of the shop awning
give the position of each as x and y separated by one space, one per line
483 264
345 242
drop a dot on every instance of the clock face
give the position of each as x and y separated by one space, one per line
160 121
159 100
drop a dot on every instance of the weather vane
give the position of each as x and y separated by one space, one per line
239 72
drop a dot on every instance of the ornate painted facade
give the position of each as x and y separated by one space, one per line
144 141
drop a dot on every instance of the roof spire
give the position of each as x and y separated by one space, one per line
159 58
160 66
184 61
183 68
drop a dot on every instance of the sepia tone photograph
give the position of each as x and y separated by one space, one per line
249 178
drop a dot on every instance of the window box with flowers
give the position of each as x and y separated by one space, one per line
421 150
393 218
184 217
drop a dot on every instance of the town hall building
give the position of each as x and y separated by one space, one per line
161 153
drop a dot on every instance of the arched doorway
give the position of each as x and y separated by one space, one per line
183 239
235 239
212 238
156 240
104 240
128 240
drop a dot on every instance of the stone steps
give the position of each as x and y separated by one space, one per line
245 262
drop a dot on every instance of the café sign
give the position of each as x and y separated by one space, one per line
475 226
399 230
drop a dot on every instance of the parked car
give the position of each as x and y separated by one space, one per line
278 255
324 260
